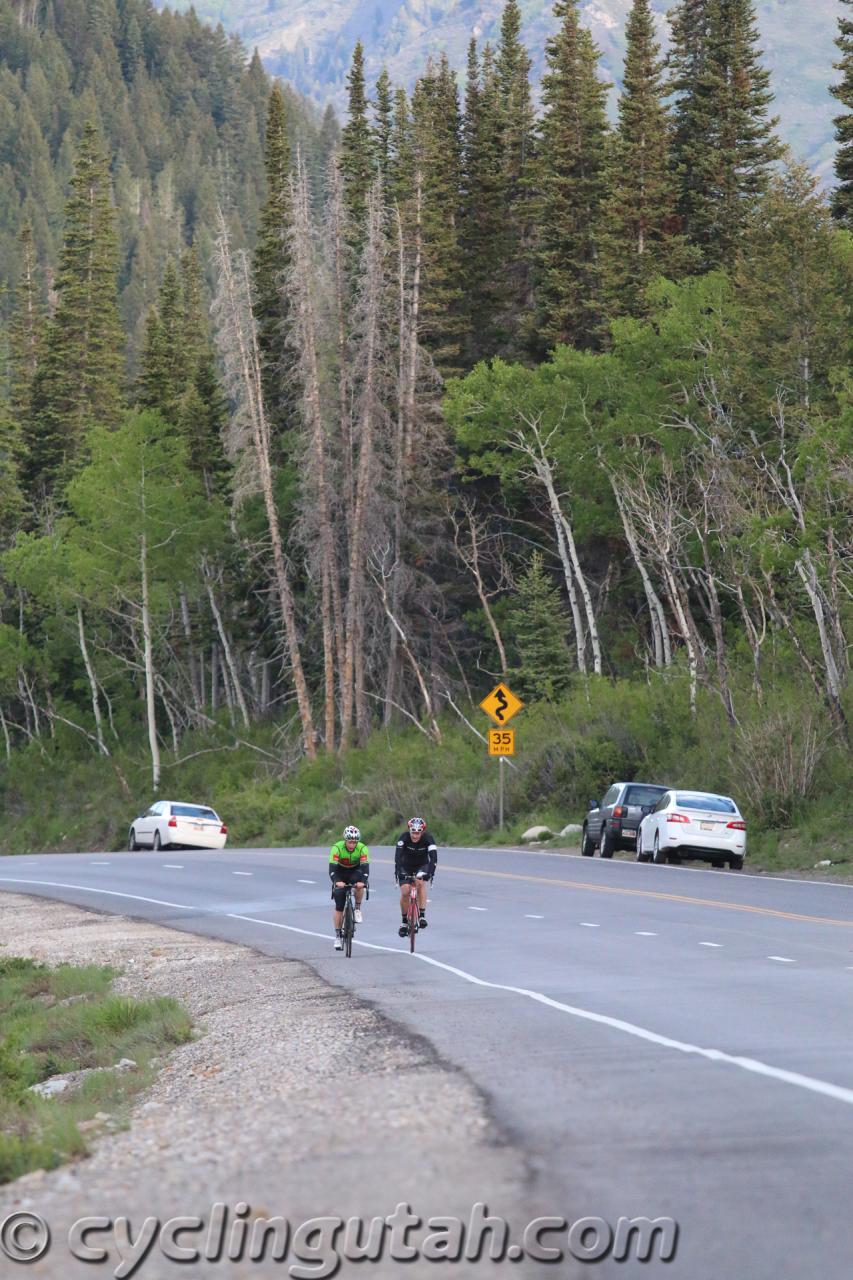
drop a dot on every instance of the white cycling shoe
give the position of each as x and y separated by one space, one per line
339 942
359 918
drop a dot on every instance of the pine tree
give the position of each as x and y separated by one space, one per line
538 628
484 214
203 411
383 126
163 373
358 161
436 128
25 332
842 197
79 380
271 263
789 330
641 240
724 143
517 144
401 171
572 184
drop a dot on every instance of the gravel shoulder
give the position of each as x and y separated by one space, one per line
294 1099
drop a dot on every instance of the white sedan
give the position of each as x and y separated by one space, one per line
170 822
690 825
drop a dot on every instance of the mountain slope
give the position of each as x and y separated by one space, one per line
309 42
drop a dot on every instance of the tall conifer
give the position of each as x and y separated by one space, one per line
358 161
725 143
641 226
842 197
436 128
272 259
517 144
572 184
484 214
79 380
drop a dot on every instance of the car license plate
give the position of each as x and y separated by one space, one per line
627 832
199 826
707 826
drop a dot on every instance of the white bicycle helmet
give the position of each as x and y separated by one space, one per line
352 833
416 824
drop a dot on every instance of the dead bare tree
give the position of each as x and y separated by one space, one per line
250 440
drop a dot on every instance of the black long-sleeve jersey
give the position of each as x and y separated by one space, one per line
411 855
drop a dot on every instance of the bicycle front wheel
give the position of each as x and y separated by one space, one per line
413 922
348 928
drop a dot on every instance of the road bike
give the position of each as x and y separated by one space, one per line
348 917
413 915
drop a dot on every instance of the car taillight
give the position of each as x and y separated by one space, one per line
618 811
223 830
676 817
173 822
736 826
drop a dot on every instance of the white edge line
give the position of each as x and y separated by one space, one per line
173 866
242 873
478 908
710 944
644 933
585 924
782 959
753 1065
306 881
110 893
534 917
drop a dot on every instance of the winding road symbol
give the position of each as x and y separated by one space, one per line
501 704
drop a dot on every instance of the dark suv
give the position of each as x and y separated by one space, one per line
613 824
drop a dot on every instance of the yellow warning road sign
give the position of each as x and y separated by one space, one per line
501 704
501 742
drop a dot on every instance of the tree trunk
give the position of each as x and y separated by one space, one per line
153 744
195 683
657 616
244 331
371 306
93 684
229 657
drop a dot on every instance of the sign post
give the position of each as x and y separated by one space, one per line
500 706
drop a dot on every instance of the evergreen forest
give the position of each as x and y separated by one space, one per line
312 431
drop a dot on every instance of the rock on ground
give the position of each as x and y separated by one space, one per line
295 1100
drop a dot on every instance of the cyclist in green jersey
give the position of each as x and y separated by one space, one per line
349 863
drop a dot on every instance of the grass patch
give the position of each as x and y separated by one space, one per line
64 1019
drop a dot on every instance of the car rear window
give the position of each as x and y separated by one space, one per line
644 796
711 804
193 811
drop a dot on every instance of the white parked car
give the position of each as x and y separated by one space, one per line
171 822
693 825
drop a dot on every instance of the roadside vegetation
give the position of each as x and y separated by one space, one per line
65 1019
783 765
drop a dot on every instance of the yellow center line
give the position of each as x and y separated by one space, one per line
641 893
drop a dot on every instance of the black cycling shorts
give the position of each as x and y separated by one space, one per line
409 873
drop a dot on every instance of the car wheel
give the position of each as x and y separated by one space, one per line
659 855
587 847
608 846
131 843
155 844
642 856
736 863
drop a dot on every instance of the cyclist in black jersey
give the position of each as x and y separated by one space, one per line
415 859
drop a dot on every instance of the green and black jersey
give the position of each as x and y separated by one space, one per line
340 855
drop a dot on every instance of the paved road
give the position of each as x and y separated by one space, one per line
659 1040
